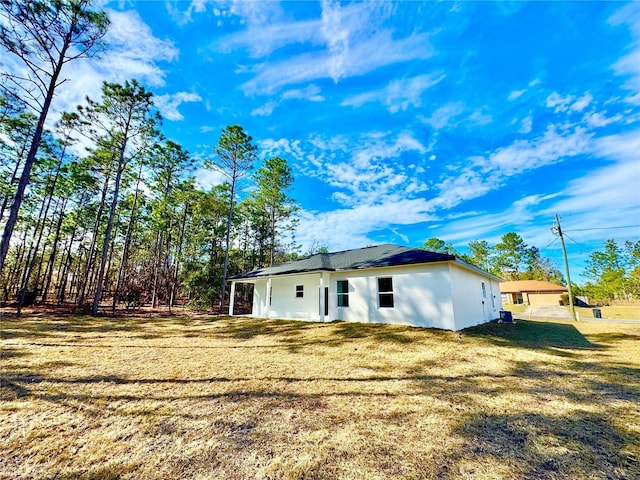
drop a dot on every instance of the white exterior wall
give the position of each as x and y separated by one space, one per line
421 296
259 296
471 307
285 304
439 295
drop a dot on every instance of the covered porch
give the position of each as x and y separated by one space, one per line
299 296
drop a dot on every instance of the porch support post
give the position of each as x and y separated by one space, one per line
267 297
232 297
321 293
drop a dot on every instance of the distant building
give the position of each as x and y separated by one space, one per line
531 292
380 284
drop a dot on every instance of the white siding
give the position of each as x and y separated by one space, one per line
441 295
422 297
471 307
285 304
259 296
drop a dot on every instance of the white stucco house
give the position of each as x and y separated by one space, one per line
379 284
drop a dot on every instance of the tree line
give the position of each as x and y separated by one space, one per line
613 273
103 211
510 259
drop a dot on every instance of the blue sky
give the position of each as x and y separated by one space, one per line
406 120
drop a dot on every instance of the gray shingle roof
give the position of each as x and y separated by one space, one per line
385 255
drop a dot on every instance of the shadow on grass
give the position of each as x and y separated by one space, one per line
293 333
534 335
248 328
579 445
45 327
289 333
377 332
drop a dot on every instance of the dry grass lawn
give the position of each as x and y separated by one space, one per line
188 397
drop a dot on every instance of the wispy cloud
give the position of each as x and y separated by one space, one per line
568 103
310 93
442 117
486 173
526 125
363 57
606 196
399 94
183 17
347 40
515 94
454 114
353 227
629 64
132 52
366 175
168 104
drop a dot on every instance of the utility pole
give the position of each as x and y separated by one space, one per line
557 229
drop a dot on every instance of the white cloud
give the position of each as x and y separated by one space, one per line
207 178
609 195
134 51
184 17
568 103
347 40
558 102
351 227
310 93
598 119
605 196
484 174
364 175
337 33
168 104
365 56
399 94
479 117
441 118
265 110
550 148
450 116
526 125
629 64
262 40
283 147
581 103
515 94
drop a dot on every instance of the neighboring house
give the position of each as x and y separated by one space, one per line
380 284
531 292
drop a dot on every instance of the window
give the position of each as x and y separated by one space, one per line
343 293
299 291
385 292
484 290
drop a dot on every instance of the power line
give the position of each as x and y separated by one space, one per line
555 239
599 228
586 249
